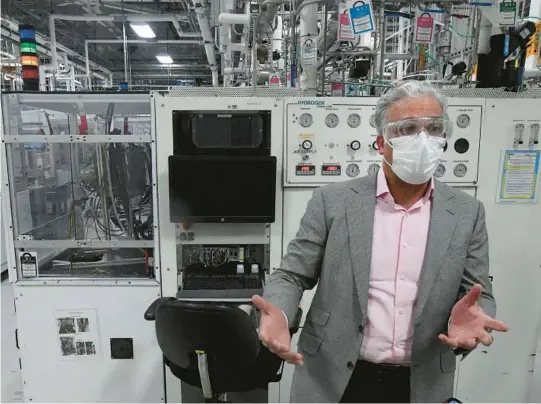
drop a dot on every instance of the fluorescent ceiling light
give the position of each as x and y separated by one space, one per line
143 29
164 58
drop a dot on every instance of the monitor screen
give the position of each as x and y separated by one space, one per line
220 189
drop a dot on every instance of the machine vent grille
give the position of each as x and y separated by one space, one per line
273 92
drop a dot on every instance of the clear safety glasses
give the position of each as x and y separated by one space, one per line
435 127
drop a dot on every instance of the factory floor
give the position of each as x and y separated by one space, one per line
12 383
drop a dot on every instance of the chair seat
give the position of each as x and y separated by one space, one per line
258 375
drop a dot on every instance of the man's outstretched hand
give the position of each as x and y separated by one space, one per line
469 324
274 332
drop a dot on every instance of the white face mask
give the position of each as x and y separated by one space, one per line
415 158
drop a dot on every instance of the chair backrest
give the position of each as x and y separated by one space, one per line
225 333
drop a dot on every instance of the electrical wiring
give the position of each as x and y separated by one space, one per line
459 34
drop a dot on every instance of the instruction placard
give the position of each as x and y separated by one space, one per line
362 17
519 176
29 264
508 13
424 28
78 335
309 53
345 30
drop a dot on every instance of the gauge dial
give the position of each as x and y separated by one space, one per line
373 168
463 121
352 170
355 145
354 120
460 170
440 171
305 120
373 121
332 120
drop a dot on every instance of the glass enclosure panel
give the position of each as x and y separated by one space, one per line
93 262
62 116
100 191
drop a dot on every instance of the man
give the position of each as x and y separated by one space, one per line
401 266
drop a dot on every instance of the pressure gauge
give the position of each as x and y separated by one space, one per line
354 120
463 121
373 121
440 171
352 170
331 120
305 120
460 170
373 168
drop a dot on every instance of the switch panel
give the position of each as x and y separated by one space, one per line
329 140
334 139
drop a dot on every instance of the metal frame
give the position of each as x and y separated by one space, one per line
211 99
72 102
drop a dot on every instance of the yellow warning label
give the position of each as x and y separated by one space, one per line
306 136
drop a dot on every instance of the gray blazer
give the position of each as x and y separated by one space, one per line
332 249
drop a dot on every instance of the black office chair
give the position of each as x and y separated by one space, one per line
214 346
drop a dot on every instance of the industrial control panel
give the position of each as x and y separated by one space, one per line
331 141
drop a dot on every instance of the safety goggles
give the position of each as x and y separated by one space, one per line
435 127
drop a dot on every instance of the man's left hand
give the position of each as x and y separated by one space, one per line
469 324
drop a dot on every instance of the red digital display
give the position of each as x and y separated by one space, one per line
331 169
305 169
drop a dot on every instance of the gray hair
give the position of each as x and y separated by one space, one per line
407 89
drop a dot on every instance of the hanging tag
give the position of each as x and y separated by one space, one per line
424 28
275 81
309 53
345 31
508 13
506 46
361 17
29 264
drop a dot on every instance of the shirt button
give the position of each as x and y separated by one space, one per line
350 365
401 311
402 277
405 245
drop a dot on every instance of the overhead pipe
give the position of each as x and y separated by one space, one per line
204 25
44 48
112 17
132 41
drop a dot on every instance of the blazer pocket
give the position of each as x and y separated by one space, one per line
448 361
318 316
309 343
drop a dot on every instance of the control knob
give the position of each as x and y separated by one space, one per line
355 145
307 145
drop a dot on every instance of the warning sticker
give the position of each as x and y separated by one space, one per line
29 264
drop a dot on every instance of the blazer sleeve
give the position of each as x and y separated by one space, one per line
300 267
476 269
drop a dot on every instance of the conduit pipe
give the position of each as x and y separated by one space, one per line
201 11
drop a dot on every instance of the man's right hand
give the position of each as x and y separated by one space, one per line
274 332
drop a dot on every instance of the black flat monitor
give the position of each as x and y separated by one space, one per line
222 189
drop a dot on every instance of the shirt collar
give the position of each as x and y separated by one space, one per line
382 189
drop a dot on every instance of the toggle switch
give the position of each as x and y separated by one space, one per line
519 134
534 135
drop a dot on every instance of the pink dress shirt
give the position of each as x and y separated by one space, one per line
398 250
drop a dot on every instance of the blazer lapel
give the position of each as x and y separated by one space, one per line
360 209
443 220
